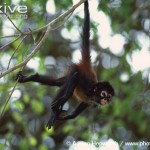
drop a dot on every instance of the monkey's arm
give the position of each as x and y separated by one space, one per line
40 79
82 106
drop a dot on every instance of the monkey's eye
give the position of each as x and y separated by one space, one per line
109 97
103 94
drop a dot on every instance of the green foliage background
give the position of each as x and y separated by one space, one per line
127 118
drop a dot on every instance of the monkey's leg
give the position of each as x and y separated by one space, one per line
64 94
82 106
46 80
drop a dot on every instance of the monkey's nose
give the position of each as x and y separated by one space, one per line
103 102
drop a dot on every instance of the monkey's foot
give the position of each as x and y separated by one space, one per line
50 123
52 119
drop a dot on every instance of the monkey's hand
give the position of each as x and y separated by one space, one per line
20 77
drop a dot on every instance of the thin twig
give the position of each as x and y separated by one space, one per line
7 101
13 23
9 36
15 51
61 25
54 29
5 46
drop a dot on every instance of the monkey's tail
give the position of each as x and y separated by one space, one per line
86 35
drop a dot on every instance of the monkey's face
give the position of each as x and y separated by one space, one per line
105 97
104 93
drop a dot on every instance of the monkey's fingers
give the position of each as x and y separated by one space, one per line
19 77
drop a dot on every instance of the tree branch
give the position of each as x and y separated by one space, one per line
5 46
15 51
13 23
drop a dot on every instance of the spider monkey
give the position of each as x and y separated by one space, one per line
80 82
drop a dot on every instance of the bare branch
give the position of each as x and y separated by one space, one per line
9 36
16 51
7 101
5 46
13 23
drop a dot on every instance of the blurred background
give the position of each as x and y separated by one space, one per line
120 51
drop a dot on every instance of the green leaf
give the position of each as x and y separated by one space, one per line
36 106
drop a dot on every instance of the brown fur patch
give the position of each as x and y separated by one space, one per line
90 74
